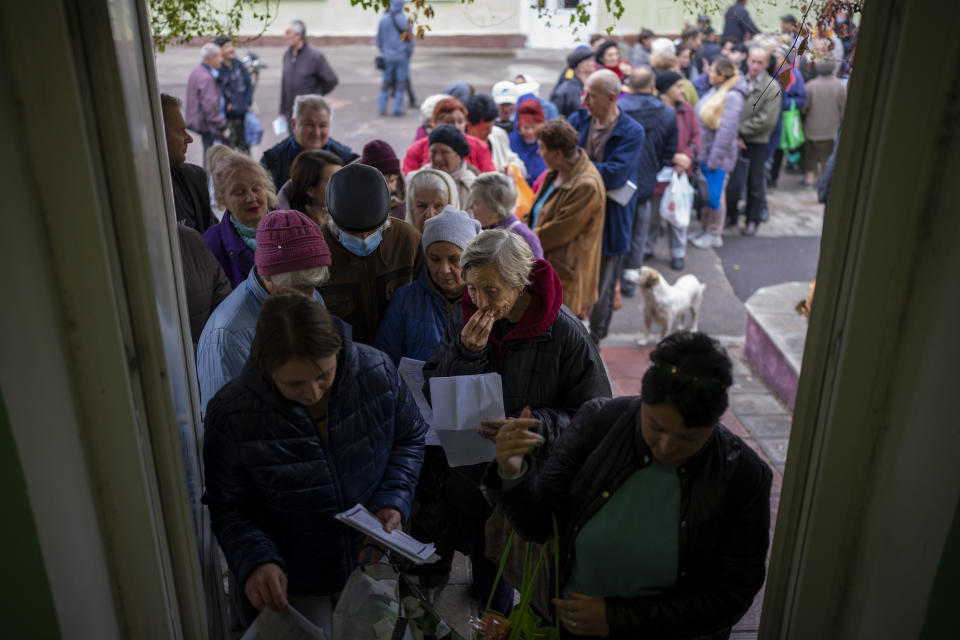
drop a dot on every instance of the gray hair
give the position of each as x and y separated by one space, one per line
298 27
311 101
504 249
312 277
209 50
759 49
495 192
434 180
607 79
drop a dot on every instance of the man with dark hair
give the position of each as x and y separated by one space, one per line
191 198
305 69
737 23
693 39
482 115
659 144
237 89
613 142
789 25
566 95
640 52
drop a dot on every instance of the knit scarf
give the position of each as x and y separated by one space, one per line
247 234
711 113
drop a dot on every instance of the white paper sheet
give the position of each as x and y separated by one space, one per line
289 624
460 403
409 547
280 127
412 373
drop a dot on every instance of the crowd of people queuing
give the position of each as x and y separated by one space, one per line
494 243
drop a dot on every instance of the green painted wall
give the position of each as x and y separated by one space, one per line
24 591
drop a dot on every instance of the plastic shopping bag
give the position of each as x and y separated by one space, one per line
252 130
677 201
792 136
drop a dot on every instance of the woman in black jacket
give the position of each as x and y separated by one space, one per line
664 515
512 321
314 425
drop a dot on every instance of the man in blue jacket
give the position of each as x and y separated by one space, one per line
613 142
659 144
312 119
396 47
237 89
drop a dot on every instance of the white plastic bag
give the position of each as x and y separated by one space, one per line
677 201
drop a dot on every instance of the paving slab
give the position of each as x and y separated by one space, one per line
767 426
775 450
756 404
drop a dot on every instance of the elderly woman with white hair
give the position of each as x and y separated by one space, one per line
310 125
429 191
493 200
512 321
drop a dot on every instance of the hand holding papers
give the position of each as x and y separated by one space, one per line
397 541
460 403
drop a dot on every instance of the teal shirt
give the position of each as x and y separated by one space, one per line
535 212
629 547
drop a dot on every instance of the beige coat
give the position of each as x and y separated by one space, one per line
570 228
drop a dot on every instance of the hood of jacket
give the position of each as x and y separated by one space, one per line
546 296
396 6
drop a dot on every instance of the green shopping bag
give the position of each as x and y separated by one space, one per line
791 137
524 623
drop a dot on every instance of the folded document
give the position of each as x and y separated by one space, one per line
397 541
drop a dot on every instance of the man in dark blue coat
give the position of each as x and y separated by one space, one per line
659 144
311 122
237 90
737 23
613 142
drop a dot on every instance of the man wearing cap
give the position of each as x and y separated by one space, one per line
237 89
291 253
419 312
613 141
659 144
505 96
567 95
372 255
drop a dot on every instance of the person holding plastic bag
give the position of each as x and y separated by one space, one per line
314 425
663 514
670 88
718 113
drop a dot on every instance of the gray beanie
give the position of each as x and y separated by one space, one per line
450 225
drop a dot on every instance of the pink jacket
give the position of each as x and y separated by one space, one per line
418 155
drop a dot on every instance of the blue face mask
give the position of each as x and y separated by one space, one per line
361 247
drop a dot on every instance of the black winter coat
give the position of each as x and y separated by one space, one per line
191 197
204 281
274 484
723 531
547 363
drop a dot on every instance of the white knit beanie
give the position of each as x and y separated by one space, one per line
450 225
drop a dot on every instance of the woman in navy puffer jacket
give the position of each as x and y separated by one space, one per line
312 426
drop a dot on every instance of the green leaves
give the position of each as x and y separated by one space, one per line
180 21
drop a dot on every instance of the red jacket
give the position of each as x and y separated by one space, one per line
688 139
418 155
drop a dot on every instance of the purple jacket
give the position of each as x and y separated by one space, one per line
513 223
719 148
231 252
204 114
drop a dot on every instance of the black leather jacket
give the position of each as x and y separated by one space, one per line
723 531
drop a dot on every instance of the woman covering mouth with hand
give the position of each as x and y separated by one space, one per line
512 321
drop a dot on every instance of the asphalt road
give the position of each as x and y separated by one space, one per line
731 273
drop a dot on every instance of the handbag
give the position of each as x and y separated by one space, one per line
379 63
714 181
701 190
792 135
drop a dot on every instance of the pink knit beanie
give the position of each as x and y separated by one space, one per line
289 241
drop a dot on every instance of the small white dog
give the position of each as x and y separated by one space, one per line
666 305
